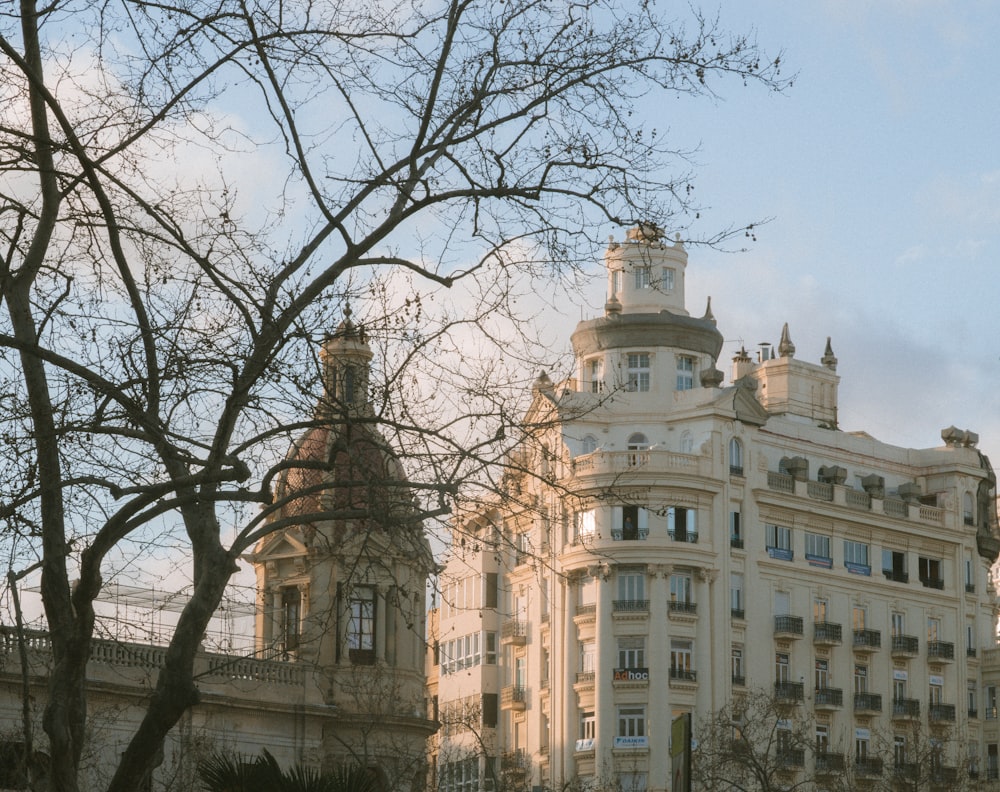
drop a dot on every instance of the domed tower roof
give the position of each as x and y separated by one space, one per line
344 469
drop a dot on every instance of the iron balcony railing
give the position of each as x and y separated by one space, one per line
867 639
905 645
940 650
789 691
631 605
941 713
790 625
828 697
867 702
905 708
827 632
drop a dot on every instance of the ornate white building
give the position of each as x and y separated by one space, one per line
669 540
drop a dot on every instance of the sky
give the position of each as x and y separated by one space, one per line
879 173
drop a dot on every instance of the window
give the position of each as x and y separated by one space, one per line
822 738
667 279
929 571
936 691
860 679
933 629
361 625
822 674
631 586
859 617
585 523
489 702
968 510
492 581
898 624
899 688
820 607
680 588
638 371
681 659
856 557
818 549
616 281
348 384
735 457
970 639
490 641
685 372
637 445
632 652
735 529
632 781
631 721
737 665
970 572
460 776
291 608
589 445
643 277
970 696
991 702
899 750
630 523
862 741
594 372
736 594
588 656
894 565
587 725
992 762
779 541
682 524
781 672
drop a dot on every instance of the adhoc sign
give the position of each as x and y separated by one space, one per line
631 742
631 675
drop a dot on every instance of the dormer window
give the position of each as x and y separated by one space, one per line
638 371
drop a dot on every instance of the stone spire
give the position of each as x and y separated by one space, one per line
829 359
785 347
709 316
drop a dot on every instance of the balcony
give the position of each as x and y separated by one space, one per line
866 640
514 763
736 542
738 613
941 713
827 634
906 771
905 646
830 764
867 702
739 680
940 651
896 575
944 776
683 674
787 626
932 582
691 537
905 709
683 608
630 606
789 692
514 698
868 767
827 698
970 651
514 632
585 678
791 758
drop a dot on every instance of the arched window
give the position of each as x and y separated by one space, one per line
637 446
347 385
735 457
589 444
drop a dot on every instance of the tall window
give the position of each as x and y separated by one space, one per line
862 743
822 674
631 721
970 572
781 668
860 679
667 279
630 523
968 510
859 617
680 588
898 624
643 278
588 656
822 738
929 571
681 659
735 457
638 371
817 547
632 652
894 565
685 372
933 629
637 445
587 725
589 445
737 665
971 699
736 594
898 689
291 607
631 585
735 529
595 374
899 750
361 625
348 384
779 541
616 282
682 524
856 556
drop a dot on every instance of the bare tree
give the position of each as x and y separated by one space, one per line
192 190
758 742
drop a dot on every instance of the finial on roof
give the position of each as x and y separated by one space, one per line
543 382
709 316
785 347
612 307
829 359
742 356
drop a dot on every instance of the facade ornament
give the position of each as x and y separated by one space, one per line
785 347
829 359
707 575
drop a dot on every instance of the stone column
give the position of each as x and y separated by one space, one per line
563 701
659 705
604 696
704 648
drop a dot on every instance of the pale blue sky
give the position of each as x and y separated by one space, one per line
881 171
